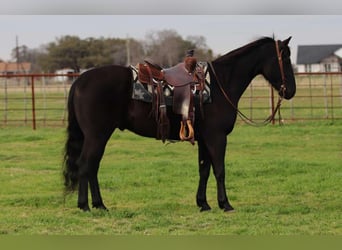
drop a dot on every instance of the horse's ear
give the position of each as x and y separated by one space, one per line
286 42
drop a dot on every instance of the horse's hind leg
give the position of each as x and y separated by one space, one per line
95 193
89 163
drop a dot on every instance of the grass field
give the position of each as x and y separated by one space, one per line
282 180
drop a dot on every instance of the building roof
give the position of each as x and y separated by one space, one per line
13 67
311 54
338 52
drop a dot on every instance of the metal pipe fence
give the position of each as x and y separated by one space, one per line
318 97
40 100
34 99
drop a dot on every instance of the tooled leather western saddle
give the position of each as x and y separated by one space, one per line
184 79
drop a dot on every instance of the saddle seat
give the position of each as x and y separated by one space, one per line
182 78
176 76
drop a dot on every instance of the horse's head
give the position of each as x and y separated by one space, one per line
278 69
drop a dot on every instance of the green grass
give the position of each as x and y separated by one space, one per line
281 180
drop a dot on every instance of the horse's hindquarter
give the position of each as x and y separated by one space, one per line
102 95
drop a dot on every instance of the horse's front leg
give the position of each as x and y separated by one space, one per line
204 171
217 152
222 197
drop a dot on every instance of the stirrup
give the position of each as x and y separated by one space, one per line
182 131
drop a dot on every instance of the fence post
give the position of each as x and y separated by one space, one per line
65 102
44 100
272 104
251 101
325 96
341 88
25 84
6 102
332 97
310 91
33 104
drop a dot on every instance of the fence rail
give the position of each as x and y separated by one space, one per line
318 97
40 100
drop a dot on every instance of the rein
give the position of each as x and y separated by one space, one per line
280 98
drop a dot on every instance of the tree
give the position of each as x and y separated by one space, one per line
20 53
203 52
117 49
24 54
135 51
95 55
67 52
167 47
72 52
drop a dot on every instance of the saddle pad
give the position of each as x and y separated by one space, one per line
141 93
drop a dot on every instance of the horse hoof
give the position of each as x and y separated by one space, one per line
226 206
84 208
100 206
229 210
205 208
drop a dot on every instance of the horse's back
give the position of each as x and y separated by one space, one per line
112 77
101 97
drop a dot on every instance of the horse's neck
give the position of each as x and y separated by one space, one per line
236 78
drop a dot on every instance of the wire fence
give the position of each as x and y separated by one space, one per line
40 100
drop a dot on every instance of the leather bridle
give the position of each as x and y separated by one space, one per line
281 67
280 98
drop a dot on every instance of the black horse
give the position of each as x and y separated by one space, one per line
100 101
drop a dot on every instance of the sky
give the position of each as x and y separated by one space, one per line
222 32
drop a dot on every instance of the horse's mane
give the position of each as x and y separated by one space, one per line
232 55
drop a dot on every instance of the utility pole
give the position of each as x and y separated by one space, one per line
17 52
128 51
17 57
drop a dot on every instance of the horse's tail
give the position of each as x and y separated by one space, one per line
73 146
